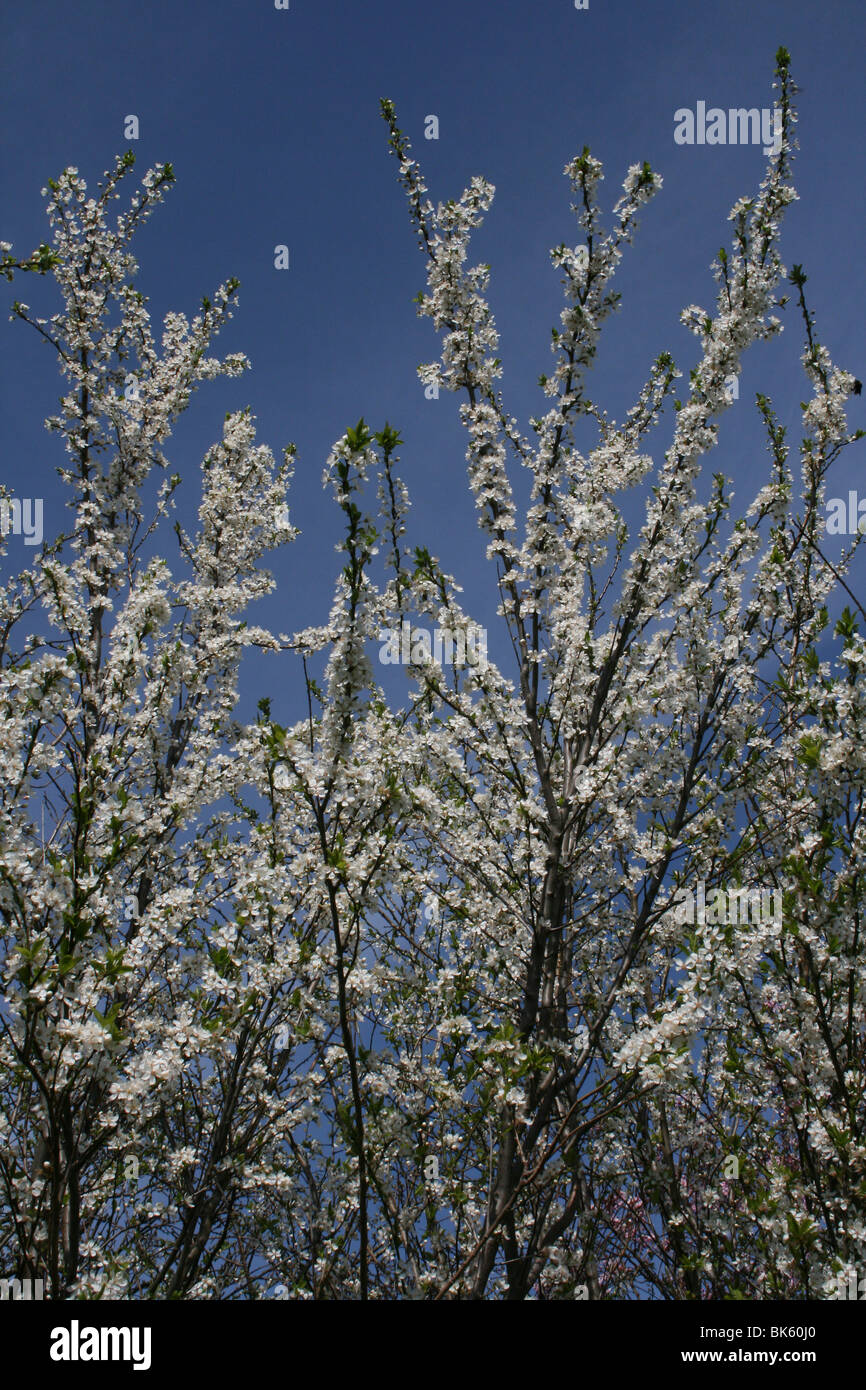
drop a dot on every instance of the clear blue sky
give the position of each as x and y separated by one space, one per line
271 119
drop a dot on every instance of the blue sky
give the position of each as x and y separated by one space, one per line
271 120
